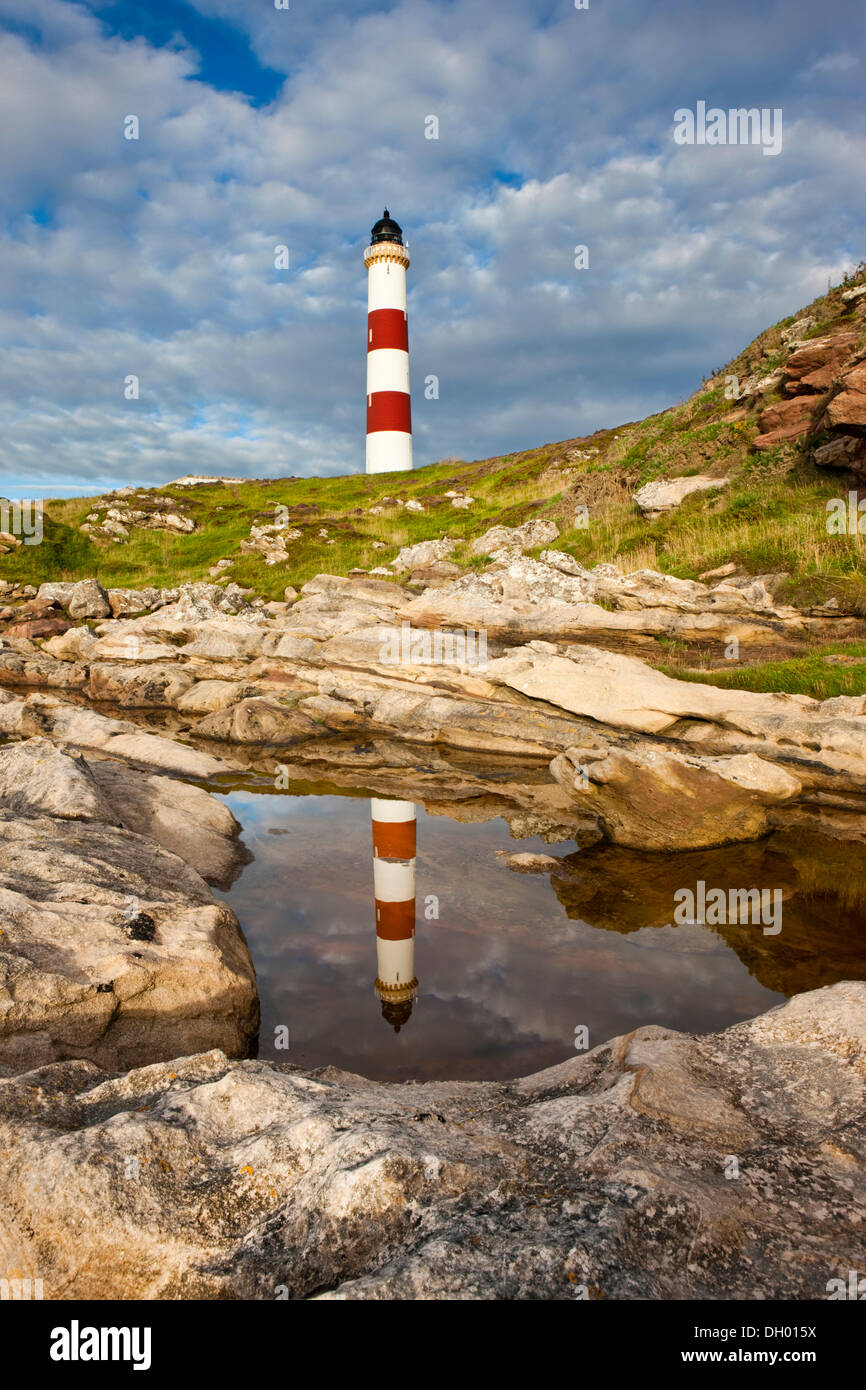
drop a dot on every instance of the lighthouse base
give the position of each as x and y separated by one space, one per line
389 451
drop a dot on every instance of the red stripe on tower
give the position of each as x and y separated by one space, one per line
389 410
394 886
387 328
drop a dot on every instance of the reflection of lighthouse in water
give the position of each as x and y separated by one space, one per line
394 883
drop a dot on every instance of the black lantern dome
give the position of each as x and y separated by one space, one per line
386 229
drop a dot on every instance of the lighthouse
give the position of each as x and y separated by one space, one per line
394 887
389 423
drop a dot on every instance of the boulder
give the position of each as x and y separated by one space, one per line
412 557
87 599
126 603
515 538
664 495
267 720
75 644
657 799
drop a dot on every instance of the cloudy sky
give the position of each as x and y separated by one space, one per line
261 127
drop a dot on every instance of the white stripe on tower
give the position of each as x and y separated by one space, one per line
394 883
389 417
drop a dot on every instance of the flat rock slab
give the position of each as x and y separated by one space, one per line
607 1176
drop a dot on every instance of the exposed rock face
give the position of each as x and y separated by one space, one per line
662 496
112 947
513 540
604 1177
847 409
656 800
356 658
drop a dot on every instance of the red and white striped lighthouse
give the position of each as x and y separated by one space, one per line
394 886
389 422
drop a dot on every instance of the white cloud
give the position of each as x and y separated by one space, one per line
156 257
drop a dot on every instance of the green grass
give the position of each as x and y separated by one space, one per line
801 675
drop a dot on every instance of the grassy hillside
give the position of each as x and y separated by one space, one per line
770 517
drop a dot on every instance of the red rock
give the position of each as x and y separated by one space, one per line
39 627
818 354
788 413
779 436
848 408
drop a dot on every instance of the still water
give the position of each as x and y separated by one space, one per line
504 967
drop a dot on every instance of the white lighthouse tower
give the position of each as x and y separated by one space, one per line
389 422
394 887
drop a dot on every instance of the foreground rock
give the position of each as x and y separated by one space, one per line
112 946
607 1176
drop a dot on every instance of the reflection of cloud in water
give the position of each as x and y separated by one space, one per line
511 966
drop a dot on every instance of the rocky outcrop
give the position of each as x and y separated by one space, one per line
482 662
655 1166
513 540
112 946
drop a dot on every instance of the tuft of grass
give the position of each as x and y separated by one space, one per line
801 675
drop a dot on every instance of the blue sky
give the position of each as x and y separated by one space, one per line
261 127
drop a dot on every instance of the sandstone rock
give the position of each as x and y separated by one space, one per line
796 413
38 628
604 1176
721 572
75 644
87 599
139 687
55 593
515 538
663 495
530 863
184 819
164 753
624 692
224 638
129 602
664 800
411 557
844 451
265 720
129 646
37 779
847 410
796 330
113 949
209 695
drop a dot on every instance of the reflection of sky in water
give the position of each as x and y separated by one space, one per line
505 976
